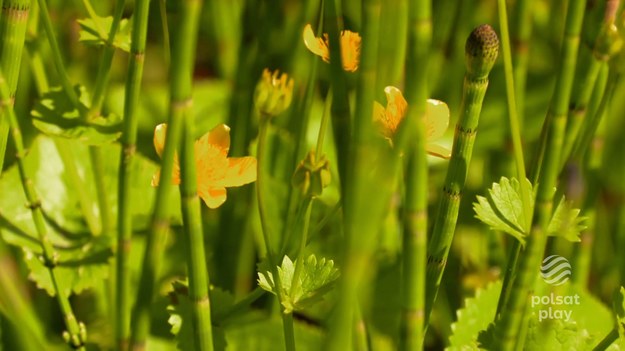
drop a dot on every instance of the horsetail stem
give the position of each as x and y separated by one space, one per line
582 253
481 51
360 219
180 104
76 331
13 23
605 46
412 323
521 34
287 318
126 165
191 216
547 169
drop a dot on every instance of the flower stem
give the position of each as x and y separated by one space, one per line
49 256
126 166
610 338
287 318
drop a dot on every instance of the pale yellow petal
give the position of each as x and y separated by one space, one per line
213 197
241 171
395 107
436 119
438 151
159 138
316 45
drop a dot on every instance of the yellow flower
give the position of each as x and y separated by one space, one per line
273 93
215 170
436 119
350 47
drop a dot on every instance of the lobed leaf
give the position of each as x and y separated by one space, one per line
502 210
315 280
95 31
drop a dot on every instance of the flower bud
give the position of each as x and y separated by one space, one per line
311 175
481 50
274 93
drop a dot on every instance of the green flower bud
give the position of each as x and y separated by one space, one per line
274 93
481 50
311 175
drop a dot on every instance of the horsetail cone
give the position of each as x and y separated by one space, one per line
481 50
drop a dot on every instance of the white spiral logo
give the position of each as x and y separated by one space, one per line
555 270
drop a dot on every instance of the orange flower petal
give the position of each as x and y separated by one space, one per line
350 50
159 138
316 45
241 171
436 119
218 137
213 197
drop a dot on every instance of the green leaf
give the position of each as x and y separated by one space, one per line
55 115
95 31
618 306
478 312
566 222
502 210
181 312
557 334
81 266
316 278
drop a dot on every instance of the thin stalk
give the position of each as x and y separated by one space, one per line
610 338
186 37
481 52
180 90
287 318
548 168
126 166
582 253
515 132
361 221
75 329
240 306
341 115
414 246
603 49
13 24
57 59
308 203
521 34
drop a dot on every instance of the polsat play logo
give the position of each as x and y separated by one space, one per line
555 270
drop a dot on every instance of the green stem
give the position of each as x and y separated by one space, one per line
126 167
287 318
186 35
547 168
521 34
515 132
56 56
610 338
241 306
49 256
481 52
13 24
303 240
180 90
363 214
414 247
